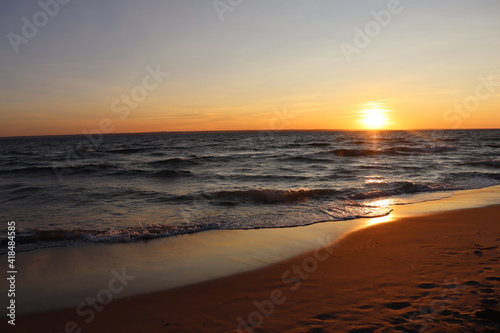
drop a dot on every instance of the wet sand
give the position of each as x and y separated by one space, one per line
433 273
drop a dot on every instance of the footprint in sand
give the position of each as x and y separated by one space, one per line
427 286
493 278
472 283
317 330
489 314
363 330
490 302
486 291
396 305
326 316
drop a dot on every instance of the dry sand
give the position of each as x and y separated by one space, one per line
434 273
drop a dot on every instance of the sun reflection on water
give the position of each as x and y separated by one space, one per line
378 220
385 203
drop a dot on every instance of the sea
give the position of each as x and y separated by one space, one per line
68 190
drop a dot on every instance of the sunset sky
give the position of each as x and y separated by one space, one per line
317 64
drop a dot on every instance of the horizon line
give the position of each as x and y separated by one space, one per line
249 131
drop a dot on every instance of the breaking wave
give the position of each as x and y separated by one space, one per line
398 188
64 236
270 196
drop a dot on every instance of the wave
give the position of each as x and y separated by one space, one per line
167 173
493 145
448 139
486 163
425 149
368 141
307 159
269 196
310 214
12 186
126 235
399 188
290 145
173 173
175 161
128 151
28 170
380 167
20 153
253 177
355 152
215 158
157 153
25 190
89 168
402 150
319 144
472 179
85 168
18 162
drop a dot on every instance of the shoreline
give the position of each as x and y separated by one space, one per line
59 278
400 283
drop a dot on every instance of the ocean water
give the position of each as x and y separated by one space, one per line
67 190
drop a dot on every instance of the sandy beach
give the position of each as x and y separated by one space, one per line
432 273
241 166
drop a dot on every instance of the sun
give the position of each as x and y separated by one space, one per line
374 118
